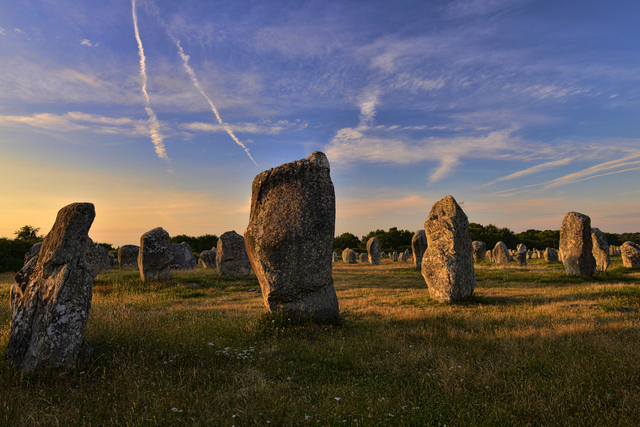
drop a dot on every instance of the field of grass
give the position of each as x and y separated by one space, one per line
533 347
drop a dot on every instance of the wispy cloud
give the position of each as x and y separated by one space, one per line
255 128
87 42
18 30
532 170
603 169
154 126
2 31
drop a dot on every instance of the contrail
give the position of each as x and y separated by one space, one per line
154 130
196 83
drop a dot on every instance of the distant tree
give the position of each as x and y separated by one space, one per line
108 246
28 234
198 244
344 241
392 240
491 235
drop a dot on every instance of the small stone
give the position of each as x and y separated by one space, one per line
128 257
418 247
500 254
630 252
183 257
208 258
479 250
348 256
521 254
155 255
600 250
231 256
550 255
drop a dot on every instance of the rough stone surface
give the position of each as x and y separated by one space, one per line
551 255
155 255
479 250
231 256
576 245
97 257
348 256
183 257
128 257
394 256
208 258
489 255
447 264
33 251
363 257
51 298
404 257
336 257
521 254
600 250
500 254
290 236
418 246
630 252
374 250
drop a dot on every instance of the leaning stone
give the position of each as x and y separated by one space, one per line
33 251
600 250
208 258
500 254
418 246
479 250
128 257
521 254
155 256
630 252
551 255
447 265
231 256
183 257
576 245
290 237
51 298
97 257
374 250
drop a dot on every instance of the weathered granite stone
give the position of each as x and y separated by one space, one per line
183 257
208 258
155 255
550 255
500 254
489 255
363 257
630 252
33 251
128 257
348 256
97 258
404 257
447 264
479 250
600 250
336 257
231 256
576 245
418 246
374 250
51 298
394 256
290 236
521 254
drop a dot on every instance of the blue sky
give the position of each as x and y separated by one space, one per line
523 110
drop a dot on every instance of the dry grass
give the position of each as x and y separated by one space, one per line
532 347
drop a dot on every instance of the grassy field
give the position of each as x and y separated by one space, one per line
532 348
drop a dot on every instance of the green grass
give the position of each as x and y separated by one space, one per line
532 347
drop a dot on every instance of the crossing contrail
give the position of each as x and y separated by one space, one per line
154 125
196 83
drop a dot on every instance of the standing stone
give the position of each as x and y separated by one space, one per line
418 246
394 256
348 256
97 257
128 257
364 258
551 255
51 298
500 254
521 254
576 245
374 250
383 255
33 251
489 255
208 258
600 250
155 255
183 257
231 256
479 250
630 252
290 237
447 265
336 258
404 257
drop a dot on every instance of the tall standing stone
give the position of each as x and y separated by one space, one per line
394 256
290 236
600 250
51 298
576 245
418 246
447 264
183 257
630 252
231 256
155 255
479 250
500 254
521 254
128 257
374 250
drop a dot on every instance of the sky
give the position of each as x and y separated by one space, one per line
161 113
